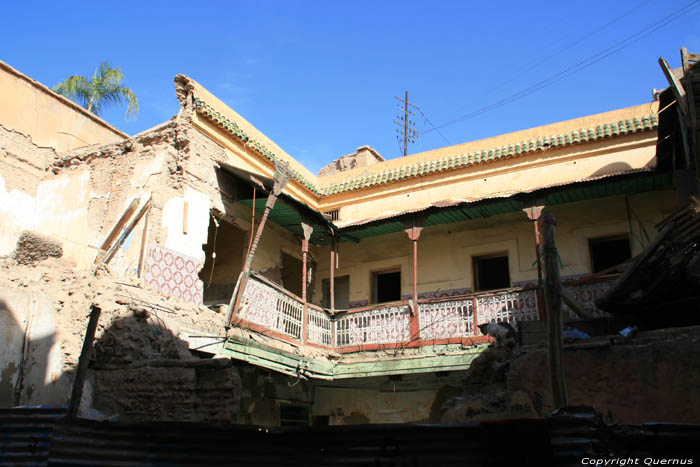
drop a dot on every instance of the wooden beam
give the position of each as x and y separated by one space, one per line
83 360
144 244
185 209
553 299
125 233
281 178
676 86
575 306
112 235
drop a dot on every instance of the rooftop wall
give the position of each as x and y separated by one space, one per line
49 119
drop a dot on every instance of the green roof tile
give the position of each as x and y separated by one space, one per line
646 122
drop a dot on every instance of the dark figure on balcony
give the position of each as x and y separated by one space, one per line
504 333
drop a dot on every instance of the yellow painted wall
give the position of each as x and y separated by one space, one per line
500 178
32 109
445 252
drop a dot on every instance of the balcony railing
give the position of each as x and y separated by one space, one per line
382 324
270 306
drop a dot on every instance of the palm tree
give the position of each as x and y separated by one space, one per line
103 90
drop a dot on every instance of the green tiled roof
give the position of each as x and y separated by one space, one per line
451 162
231 126
454 161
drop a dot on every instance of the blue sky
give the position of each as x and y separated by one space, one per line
319 78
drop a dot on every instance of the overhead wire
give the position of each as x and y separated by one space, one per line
581 65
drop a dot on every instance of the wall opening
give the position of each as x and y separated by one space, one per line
224 255
291 273
342 292
608 252
386 286
491 272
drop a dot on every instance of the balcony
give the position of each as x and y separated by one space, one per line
270 309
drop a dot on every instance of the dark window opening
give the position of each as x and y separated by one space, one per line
223 252
491 272
291 274
608 252
291 415
341 292
386 286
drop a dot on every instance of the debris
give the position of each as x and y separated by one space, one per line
33 247
571 334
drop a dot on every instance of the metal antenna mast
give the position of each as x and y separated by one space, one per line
406 125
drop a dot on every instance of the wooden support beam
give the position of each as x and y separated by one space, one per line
308 230
333 265
413 230
104 258
144 244
112 235
575 306
553 299
185 212
83 361
676 87
533 213
281 178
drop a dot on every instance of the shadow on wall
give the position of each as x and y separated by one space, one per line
141 371
614 168
31 366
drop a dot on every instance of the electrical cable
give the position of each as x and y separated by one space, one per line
591 60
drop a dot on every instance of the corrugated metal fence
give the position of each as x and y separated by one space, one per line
45 437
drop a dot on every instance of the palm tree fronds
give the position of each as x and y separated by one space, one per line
102 90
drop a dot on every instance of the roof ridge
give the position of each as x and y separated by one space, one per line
611 129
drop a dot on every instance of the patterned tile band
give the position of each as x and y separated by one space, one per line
172 273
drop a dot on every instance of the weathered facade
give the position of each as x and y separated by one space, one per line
352 297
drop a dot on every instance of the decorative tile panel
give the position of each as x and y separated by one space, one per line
172 273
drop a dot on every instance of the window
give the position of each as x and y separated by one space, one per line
608 252
491 272
341 292
386 286
292 274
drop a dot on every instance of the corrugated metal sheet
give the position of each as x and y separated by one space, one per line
176 444
25 435
445 212
45 437
286 216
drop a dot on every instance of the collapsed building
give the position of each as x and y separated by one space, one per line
235 285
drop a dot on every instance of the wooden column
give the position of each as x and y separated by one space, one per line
413 233
83 360
334 264
308 229
554 310
281 179
533 213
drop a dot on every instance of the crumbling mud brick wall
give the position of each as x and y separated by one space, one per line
22 167
140 337
651 377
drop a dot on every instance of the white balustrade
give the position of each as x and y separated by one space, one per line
381 325
509 306
445 319
266 306
320 326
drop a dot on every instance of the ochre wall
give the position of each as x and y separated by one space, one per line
50 120
445 252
